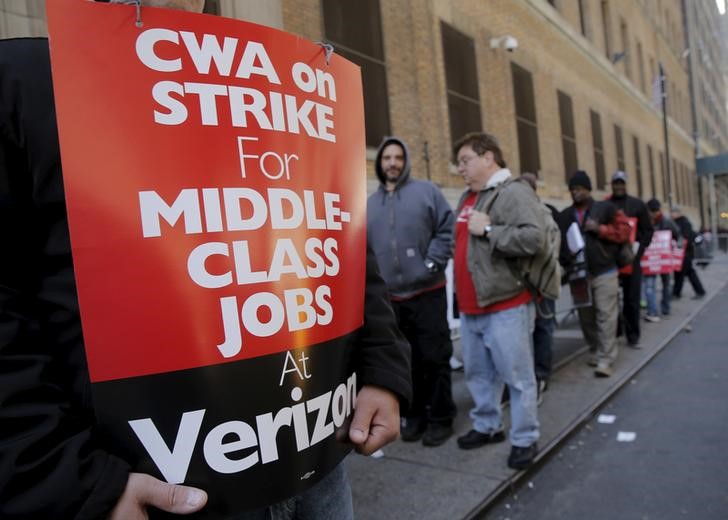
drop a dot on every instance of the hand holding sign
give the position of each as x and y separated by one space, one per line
144 490
376 419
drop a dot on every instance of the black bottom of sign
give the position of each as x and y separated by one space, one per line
250 432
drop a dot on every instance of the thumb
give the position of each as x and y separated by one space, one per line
360 423
172 498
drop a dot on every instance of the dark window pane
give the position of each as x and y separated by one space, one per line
596 125
571 163
464 116
356 25
566 115
651 164
376 104
568 142
523 93
355 30
620 148
212 7
528 147
638 166
461 73
460 64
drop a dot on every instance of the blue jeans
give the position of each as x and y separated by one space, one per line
497 348
651 294
329 499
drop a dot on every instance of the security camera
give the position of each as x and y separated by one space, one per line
510 43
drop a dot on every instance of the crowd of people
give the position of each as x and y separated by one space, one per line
506 323
55 464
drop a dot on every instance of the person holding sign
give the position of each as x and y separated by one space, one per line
409 225
630 277
54 461
665 226
603 228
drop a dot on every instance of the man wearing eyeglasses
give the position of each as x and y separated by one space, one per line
498 221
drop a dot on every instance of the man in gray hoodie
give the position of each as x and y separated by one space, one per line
409 227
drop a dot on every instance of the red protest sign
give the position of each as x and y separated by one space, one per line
215 179
627 269
215 174
657 258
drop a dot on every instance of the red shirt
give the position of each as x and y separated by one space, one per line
467 298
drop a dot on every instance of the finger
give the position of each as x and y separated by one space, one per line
172 498
379 436
362 420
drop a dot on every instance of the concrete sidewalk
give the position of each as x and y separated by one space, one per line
412 481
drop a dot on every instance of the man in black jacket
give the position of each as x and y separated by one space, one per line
602 232
53 464
632 282
688 234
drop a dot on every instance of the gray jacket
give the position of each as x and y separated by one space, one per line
517 231
406 227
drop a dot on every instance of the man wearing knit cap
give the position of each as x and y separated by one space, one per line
603 229
631 281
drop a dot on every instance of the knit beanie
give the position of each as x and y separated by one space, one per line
580 178
653 205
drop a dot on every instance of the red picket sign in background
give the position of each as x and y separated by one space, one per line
657 258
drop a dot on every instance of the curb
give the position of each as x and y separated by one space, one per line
550 449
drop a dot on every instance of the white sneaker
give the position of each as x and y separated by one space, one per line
652 319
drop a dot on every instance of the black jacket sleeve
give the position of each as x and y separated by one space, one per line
644 228
52 463
381 353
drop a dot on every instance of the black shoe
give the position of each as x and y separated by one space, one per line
699 296
475 439
521 458
436 434
411 429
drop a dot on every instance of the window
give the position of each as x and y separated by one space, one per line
651 164
568 134
461 74
627 59
525 119
212 7
606 23
583 17
637 166
674 177
619 145
355 30
663 171
641 68
598 145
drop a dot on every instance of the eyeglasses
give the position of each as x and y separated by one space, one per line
465 159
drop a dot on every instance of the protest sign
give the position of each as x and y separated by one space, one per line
216 190
657 258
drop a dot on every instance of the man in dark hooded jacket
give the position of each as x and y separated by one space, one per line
409 226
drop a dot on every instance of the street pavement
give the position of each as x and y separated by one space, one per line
675 467
412 481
